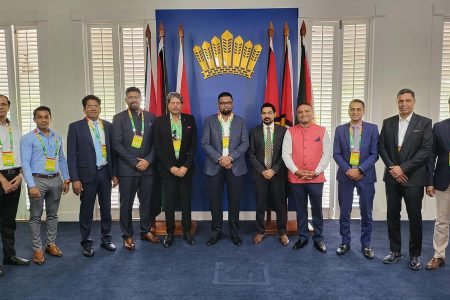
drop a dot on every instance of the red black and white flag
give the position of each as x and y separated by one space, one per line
150 94
305 94
271 92
162 85
287 111
182 84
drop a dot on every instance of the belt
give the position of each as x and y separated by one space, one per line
49 176
10 171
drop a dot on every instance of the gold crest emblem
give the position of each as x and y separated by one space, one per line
227 56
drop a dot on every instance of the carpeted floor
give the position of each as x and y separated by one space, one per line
265 271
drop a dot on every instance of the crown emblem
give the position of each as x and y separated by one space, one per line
227 56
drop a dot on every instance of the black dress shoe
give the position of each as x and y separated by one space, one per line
392 258
14 260
414 263
300 244
168 241
189 239
213 239
320 245
342 249
368 252
108 246
236 240
88 251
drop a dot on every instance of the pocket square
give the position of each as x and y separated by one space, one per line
189 127
416 130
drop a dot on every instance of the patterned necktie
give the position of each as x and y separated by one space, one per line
268 149
98 147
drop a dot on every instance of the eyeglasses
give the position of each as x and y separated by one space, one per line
92 106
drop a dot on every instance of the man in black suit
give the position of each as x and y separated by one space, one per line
439 185
175 144
133 143
405 145
91 168
269 172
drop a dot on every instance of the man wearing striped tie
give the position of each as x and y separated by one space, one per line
269 172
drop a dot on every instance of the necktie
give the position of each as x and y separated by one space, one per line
355 138
98 147
268 149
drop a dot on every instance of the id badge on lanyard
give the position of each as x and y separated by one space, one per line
137 141
104 151
8 159
225 142
176 145
50 164
354 158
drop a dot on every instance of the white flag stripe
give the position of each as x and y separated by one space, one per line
288 45
180 67
148 72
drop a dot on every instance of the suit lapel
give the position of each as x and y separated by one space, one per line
232 130
395 131
87 131
168 129
346 134
107 133
411 126
218 129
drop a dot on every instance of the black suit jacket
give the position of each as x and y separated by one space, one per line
257 153
441 150
122 137
415 151
164 146
81 158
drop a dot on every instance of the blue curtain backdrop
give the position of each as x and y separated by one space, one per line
248 94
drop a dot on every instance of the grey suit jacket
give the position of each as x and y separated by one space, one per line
122 135
212 145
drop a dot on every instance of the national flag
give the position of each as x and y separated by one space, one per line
271 93
150 94
287 111
162 89
182 84
305 94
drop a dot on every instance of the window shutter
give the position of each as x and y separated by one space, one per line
445 74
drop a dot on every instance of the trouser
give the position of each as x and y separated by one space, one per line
215 190
300 193
173 189
128 187
50 190
441 227
413 200
101 186
366 193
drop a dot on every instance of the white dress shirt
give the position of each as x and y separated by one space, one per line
402 127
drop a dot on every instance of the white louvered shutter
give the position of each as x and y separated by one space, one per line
445 73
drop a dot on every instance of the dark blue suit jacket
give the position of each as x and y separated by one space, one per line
81 157
368 151
441 150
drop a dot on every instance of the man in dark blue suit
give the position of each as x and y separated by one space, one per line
439 185
355 152
225 141
91 165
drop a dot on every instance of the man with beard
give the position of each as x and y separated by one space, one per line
132 140
306 153
225 141
269 172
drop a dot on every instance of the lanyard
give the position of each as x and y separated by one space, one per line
38 136
223 124
132 123
176 128
10 138
95 131
352 145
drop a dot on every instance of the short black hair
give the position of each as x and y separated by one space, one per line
269 105
42 108
357 101
90 97
304 103
132 89
9 102
224 94
406 91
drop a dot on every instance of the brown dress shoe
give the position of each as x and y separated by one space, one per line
150 237
284 240
129 244
435 263
38 257
258 238
53 250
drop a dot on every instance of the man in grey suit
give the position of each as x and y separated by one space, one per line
132 140
225 141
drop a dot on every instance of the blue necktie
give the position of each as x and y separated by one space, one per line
98 147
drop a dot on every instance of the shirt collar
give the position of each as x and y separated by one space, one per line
271 126
41 133
408 118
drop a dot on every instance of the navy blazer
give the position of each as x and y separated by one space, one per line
368 151
441 150
415 152
122 136
164 145
212 145
81 158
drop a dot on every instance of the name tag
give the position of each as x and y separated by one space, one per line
354 158
176 145
226 142
104 151
8 159
137 141
50 164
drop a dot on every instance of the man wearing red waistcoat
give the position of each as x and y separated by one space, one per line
306 153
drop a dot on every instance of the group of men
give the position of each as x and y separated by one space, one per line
127 153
